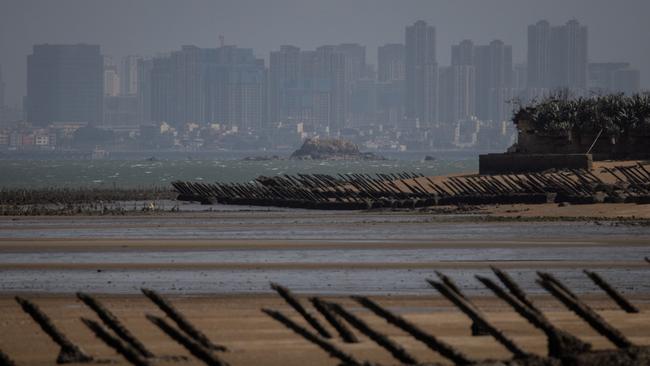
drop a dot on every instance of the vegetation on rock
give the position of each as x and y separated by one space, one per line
616 115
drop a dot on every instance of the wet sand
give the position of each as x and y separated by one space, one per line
255 339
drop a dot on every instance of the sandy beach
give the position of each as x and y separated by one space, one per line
255 339
216 268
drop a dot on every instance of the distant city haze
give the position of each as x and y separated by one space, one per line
618 31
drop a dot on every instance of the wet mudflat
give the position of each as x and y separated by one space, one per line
327 253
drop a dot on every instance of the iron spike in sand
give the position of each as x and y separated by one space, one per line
587 314
286 294
130 354
198 350
114 323
620 300
433 343
5 360
514 288
181 321
560 343
476 328
397 351
346 334
550 278
473 313
70 352
328 347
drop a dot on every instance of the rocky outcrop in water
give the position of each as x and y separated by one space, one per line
332 149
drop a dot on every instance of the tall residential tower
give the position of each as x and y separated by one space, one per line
421 75
65 83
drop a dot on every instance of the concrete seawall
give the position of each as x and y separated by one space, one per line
519 163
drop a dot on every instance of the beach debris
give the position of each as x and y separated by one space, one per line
181 321
5 360
130 354
346 334
197 349
397 351
114 324
295 304
328 347
620 300
70 352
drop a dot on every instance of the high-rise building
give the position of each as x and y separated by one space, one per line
355 61
463 53
2 96
539 55
145 67
457 93
520 76
111 78
356 69
65 83
128 72
493 81
421 75
599 75
309 87
613 77
236 92
492 75
626 81
284 74
557 56
226 85
391 62
569 56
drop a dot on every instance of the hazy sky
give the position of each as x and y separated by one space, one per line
618 30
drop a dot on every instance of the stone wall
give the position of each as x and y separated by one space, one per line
520 163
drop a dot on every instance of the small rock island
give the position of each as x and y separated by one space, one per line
332 149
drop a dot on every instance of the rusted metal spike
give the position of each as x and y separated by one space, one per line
114 323
444 349
346 334
397 351
295 303
328 347
181 321
514 288
131 355
476 328
473 313
549 277
6 360
198 350
560 343
620 300
70 352
587 314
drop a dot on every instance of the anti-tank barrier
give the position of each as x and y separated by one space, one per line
412 191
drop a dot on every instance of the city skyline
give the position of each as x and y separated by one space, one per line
615 33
